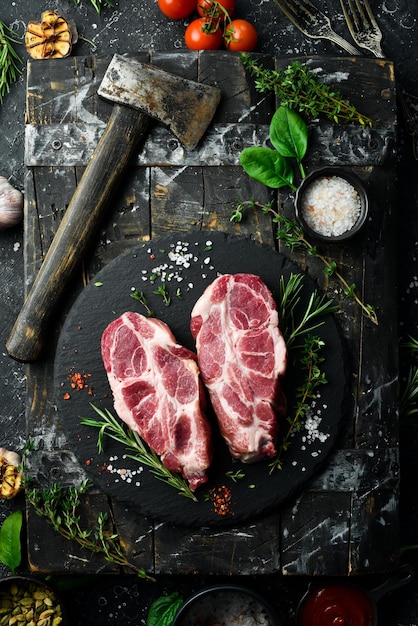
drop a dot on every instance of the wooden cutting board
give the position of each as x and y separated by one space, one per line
345 519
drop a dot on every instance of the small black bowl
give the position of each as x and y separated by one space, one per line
17 586
225 593
337 232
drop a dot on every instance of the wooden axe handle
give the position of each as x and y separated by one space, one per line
120 141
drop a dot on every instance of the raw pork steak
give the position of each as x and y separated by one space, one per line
158 393
242 356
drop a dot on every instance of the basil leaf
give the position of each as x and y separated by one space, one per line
289 133
163 610
10 546
267 166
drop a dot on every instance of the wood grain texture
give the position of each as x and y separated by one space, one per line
346 521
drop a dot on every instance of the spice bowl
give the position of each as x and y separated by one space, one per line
331 204
226 604
32 600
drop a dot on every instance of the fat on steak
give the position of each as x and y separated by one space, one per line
242 357
158 393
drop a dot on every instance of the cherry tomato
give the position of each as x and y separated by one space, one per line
215 8
177 9
240 36
197 39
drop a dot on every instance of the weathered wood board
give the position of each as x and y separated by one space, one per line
346 519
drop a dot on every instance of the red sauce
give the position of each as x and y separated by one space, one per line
336 605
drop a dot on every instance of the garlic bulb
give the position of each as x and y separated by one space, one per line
11 204
11 474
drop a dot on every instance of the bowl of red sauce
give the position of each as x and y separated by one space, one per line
337 605
332 204
346 604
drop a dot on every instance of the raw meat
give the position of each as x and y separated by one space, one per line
242 357
158 393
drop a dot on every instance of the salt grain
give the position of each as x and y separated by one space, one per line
330 206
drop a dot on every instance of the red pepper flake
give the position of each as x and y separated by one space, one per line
221 498
88 462
79 381
66 396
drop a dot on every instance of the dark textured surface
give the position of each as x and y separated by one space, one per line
133 26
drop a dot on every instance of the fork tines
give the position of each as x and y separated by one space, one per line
362 25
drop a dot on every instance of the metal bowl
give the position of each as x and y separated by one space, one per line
333 223
14 589
217 597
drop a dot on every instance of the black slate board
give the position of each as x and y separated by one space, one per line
107 296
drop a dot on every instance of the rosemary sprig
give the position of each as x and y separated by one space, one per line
293 237
10 61
317 306
310 363
110 426
98 4
60 508
299 88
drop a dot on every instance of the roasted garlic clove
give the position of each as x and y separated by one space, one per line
51 38
11 474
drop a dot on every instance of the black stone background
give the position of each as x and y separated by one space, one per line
134 25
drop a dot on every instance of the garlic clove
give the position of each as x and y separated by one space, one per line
11 474
11 205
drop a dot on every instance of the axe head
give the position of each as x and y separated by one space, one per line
185 106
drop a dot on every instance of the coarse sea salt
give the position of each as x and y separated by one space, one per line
124 474
175 262
330 206
223 608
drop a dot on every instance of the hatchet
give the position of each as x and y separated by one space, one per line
141 92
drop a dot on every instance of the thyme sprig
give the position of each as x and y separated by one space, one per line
139 296
293 237
310 361
110 426
299 88
99 5
60 507
10 61
163 291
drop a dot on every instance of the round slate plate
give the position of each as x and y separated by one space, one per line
109 295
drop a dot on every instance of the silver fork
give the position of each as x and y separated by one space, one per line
366 33
313 23
363 26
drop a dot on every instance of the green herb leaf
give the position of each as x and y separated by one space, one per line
139 451
10 546
267 167
299 88
163 610
289 134
10 61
